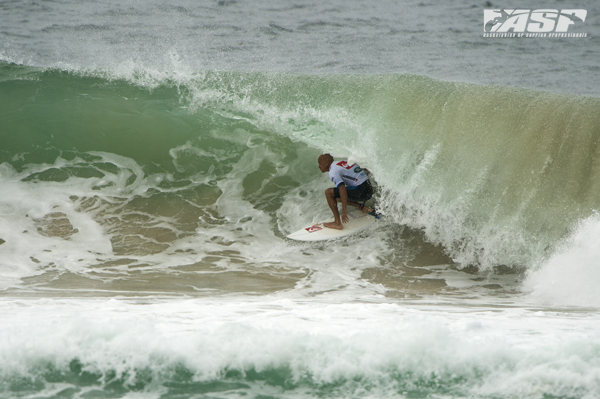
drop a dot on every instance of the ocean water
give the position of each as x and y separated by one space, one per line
154 156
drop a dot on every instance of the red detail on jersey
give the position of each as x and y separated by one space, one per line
345 165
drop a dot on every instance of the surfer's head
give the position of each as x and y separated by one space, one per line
325 162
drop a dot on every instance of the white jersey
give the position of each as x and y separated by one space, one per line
351 175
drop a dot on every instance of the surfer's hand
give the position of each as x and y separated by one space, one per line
345 218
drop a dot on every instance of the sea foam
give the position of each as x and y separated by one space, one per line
571 275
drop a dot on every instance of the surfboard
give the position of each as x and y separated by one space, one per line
317 232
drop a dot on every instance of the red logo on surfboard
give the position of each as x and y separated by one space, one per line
315 227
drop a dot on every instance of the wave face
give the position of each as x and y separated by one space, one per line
135 166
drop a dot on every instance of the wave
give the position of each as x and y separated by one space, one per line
498 176
189 348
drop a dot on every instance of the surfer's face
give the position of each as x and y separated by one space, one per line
325 161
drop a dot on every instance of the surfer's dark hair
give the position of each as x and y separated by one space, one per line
325 158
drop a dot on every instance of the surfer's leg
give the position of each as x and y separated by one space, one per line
332 202
352 203
371 211
365 209
362 194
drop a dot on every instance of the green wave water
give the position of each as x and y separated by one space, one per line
496 175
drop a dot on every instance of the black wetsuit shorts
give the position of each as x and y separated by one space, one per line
359 194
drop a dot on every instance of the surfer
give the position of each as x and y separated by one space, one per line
352 186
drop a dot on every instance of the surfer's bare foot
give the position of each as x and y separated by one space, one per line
371 211
333 225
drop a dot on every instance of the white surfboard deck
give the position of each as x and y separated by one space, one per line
317 232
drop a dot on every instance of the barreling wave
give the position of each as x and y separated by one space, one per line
498 176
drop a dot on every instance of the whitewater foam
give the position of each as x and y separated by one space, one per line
298 348
570 277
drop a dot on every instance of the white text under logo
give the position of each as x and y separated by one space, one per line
532 23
